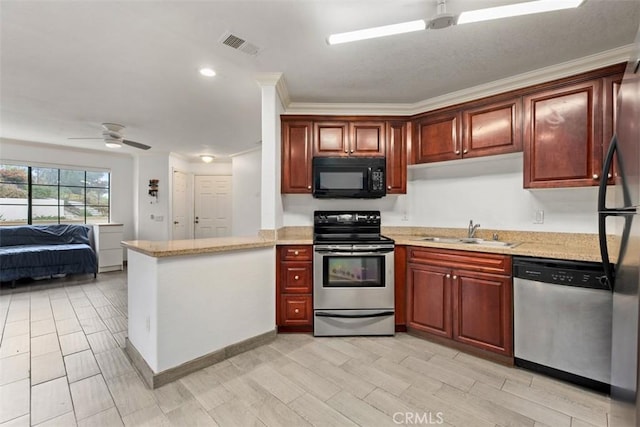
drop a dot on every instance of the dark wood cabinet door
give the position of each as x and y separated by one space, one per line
562 137
429 299
482 313
437 137
366 139
492 129
396 157
610 115
331 138
296 157
296 310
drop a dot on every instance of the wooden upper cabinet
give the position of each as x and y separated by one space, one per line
437 137
492 129
562 136
296 156
396 153
349 138
367 139
331 138
610 114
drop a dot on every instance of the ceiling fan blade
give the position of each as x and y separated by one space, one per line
135 144
80 137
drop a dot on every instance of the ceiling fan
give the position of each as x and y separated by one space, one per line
112 136
444 19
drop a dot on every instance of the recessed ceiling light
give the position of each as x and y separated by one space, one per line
207 72
207 158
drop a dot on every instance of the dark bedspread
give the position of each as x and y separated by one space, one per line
46 251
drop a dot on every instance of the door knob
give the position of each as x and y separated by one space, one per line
176 222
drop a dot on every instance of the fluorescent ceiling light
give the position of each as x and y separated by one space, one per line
207 72
206 158
370 33
517 9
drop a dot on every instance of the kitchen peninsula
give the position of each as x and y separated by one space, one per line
193 303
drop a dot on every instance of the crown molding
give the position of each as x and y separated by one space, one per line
277 80
250 150
542 75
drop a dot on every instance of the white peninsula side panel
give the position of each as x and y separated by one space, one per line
185 307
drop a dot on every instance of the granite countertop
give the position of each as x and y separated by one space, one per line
171 248
569 246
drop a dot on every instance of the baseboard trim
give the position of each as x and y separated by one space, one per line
154 380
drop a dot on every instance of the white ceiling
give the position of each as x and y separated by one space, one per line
67 66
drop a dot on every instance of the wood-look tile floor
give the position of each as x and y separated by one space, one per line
62 364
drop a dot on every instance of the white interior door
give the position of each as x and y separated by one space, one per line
212 206
180 206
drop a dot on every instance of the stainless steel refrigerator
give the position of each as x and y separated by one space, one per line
619 226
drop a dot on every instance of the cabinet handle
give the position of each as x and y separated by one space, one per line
352 151
465 151
448 276
296 277
457 151
309 187
295 252
609 175
596 176
455 277
346 150
296 311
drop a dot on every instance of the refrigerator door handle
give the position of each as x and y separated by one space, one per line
602 187
604 250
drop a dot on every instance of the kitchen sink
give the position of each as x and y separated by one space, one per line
470 241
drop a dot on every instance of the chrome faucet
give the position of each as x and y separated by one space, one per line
472 229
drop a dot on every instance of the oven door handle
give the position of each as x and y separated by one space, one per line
355 316
353 253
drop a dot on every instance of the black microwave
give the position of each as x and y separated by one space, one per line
349 177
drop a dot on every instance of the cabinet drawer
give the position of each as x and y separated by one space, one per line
110 257
296 277
296 253
297 310
472 261
109 240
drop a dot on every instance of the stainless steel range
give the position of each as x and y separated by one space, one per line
353 275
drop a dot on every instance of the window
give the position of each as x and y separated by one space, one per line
44 195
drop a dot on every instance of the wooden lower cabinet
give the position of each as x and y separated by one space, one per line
458 295
481 309
294 288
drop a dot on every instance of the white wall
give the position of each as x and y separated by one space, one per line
449 194
245 193
121 167
152 166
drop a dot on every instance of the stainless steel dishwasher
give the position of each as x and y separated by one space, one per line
562 320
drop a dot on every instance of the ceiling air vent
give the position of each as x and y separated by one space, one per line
239 43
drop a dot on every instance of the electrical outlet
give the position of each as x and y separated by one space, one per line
539 217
